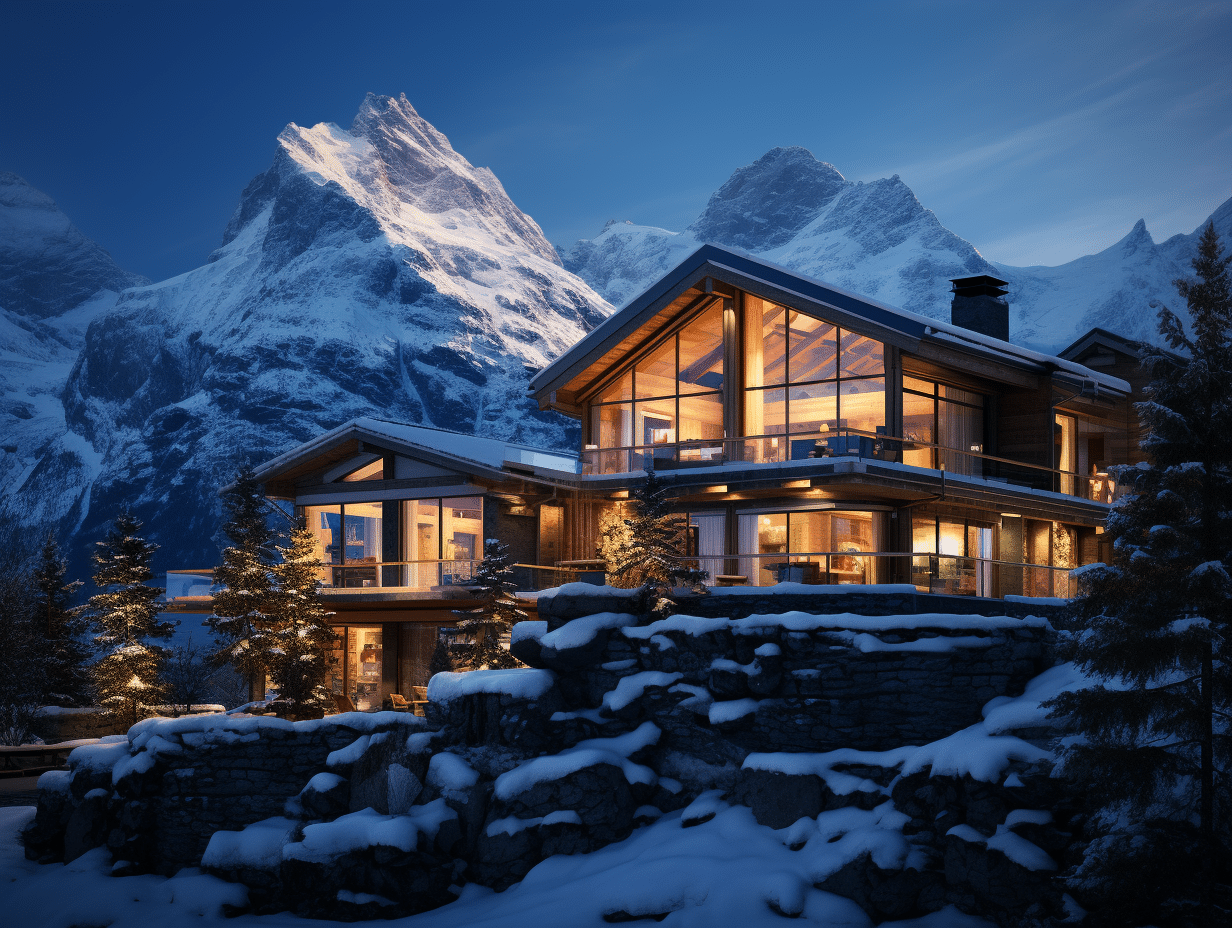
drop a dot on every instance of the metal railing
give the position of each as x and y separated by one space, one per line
434 575
936 573
847 442
418 575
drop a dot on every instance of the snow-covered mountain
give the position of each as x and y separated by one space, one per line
369 271
53 283
877 239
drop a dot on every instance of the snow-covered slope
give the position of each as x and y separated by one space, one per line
53 282
369 271
877 239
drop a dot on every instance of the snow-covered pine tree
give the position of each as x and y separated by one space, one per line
302 644
240 619
63 629
481 628
614 540
1154 629
125 614
656 543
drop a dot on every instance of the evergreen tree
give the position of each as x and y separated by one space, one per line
62 628
302 642
441 660
241 605
126 616
481 628
1153 628
656 541
22 658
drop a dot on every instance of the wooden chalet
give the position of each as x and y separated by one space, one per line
810 434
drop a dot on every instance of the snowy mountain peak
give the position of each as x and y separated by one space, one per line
1137 238
763 204
47 266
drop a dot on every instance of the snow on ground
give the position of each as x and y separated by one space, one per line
709 866
723 872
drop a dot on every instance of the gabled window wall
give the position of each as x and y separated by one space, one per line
668 406
811 388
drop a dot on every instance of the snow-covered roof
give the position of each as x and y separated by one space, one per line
418 441
713 260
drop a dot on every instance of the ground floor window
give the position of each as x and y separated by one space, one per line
825 546
953 556
373 661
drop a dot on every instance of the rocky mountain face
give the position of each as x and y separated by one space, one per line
878 240
53 283
368 272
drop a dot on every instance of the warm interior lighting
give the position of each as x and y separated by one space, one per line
718 488
620 494
797 484
1011 515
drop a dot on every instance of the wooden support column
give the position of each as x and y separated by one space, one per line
733 370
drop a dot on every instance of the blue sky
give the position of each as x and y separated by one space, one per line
1038 131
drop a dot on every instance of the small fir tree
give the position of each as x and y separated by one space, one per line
656 542
1154 756
22 654
615 539
63 628
302 641
480 629
441 660
126 616
241 618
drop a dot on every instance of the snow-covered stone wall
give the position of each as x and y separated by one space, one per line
906 753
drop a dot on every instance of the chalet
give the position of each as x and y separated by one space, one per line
809 433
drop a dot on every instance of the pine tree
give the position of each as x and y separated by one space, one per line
302 643
126 616
22 657
656 541
481 629
1155 756
240 618
441 660
63 629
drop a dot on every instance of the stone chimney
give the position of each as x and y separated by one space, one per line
980 305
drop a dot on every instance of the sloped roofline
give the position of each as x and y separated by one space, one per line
899 326
466 453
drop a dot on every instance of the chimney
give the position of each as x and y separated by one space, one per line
980 305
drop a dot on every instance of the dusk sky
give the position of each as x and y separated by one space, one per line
1039 132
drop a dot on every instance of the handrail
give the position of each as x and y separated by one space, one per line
882 443
1056 580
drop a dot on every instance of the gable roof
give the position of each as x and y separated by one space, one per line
469 454
602 346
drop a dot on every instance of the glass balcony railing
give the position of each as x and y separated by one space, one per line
433 575
929 573
847 443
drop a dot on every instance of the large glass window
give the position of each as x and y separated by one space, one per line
835 386
676 413
809 547
437 541
938 414
952 556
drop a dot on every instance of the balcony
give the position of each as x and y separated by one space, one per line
847 443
